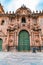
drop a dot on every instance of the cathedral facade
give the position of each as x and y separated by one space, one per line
22 30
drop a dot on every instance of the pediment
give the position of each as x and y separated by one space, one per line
23 10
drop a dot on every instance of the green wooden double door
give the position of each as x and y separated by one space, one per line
1 41
23 41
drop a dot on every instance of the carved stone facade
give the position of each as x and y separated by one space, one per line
12 23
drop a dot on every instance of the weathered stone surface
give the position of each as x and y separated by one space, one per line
23 19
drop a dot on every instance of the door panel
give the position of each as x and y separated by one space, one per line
24 41
1 44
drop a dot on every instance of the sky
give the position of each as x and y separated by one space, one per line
13 5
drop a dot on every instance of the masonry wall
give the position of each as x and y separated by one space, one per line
11 25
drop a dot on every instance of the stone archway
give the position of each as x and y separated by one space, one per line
23 41
1 41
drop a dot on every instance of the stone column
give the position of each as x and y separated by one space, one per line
15 44
40 40
5 44
7 40
32 40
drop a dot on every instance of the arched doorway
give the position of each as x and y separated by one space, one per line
1 41
23 41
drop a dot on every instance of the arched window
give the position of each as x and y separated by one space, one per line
23 20
2 22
